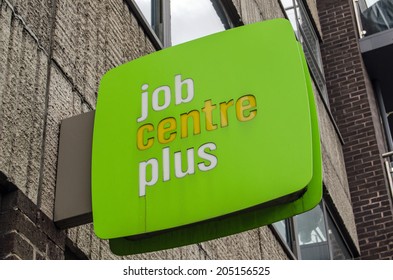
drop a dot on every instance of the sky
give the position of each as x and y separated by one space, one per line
190 19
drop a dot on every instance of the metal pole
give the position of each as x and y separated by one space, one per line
358 20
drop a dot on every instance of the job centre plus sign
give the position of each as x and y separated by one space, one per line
166 130
190 142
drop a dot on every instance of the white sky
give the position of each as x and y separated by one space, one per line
193 19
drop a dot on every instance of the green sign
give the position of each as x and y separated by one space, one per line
205 139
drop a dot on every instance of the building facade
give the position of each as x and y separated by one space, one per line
53 54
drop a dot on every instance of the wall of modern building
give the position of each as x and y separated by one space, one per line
357 115
52 56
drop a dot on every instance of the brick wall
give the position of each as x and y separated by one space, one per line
354 108
25 231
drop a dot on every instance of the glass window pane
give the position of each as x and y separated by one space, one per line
145 7
306 35
287 3
312 235
282 230
192 19
339 249
309 34
290 11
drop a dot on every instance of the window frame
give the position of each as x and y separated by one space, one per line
324 96
293 250
315 66
136 11
338 227
159 32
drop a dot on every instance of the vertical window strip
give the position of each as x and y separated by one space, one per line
304 30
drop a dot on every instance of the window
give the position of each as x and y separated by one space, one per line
146 7
304 30
193 19
282 228
314 235
338 248
285 231
178 21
